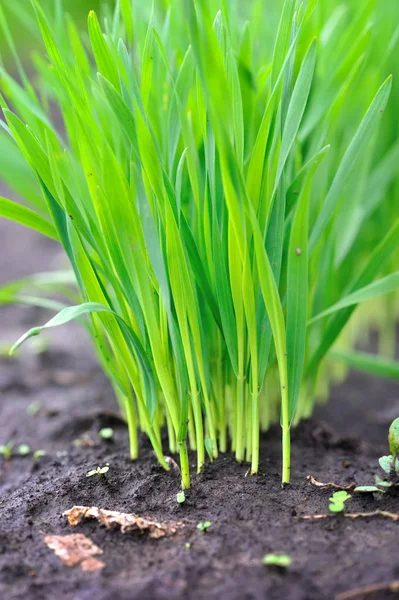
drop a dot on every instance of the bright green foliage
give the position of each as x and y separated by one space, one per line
389 464
204 525
367 489
216 183
100 471
180 497
24 449
393 437
368 363
106 433
337 501
278 560
6 450
38 454
386 463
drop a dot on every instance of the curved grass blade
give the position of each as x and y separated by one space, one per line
368 363
27 217
73 312
387 284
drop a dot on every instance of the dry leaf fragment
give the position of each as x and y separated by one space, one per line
330 484
126 521
75 549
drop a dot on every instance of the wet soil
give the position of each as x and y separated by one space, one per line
250 516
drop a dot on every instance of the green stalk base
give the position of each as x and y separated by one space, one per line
286 473
184 466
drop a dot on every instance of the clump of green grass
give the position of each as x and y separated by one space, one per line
202 210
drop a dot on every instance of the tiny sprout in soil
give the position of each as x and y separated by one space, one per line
24 449
204 525
107 433
389 464
6 450
33 408
277 560
99 471
393 437
38 454
180 497
337 501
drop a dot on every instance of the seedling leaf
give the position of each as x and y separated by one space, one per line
278 560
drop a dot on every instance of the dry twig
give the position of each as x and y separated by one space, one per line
391 586
330 484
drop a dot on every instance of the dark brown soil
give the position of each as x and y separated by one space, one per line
250 516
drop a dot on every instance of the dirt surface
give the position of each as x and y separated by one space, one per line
250 516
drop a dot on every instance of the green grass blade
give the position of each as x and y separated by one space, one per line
373 290
354 151
368 363
27 217
297 297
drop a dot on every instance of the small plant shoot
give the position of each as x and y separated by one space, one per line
107 433
180 497
283 561
38 454
337 501
34 408
24 449
6 450
389 464
99 471
393 437
204 525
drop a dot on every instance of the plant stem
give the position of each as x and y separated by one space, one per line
255 434
199 431
132 427
184 466
392 472
248 443
240 418
223 423
191 429
171 433
286 455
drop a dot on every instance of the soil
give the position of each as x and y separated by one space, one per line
250 516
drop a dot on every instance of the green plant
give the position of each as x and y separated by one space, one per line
33 408
218 242
100 471
389 464
180 497
38 454
24 449
337 501
203 525
278 560
6 450
393 440
107 433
